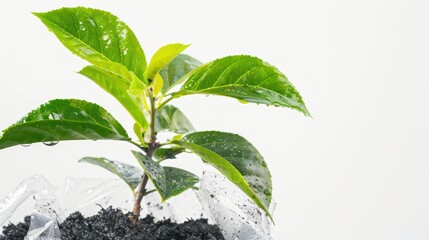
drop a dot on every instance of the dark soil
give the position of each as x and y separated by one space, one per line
114 224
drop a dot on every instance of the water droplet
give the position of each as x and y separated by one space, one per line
84 113
92 22
26 144
50 144
123 34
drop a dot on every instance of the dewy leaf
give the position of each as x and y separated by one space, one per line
178 181
235 158
170 118
130 174
176 69
162 57
117 85
154 170
96 36
168 181
245 78
64 119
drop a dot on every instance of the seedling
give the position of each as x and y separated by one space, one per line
118 65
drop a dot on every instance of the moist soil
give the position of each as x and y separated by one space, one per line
114 224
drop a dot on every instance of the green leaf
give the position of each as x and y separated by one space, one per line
154 170
162 57
170 118
158 82
178 181
117 85
162 154
235 158
130 174
139 131
64 119
168 181
176 69
245 78
96 36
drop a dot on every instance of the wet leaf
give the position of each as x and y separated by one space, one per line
235 158
162 57
64 119
245 78
168 181
117 85
96 36
170 118
153 169
178 181
176 69
130 174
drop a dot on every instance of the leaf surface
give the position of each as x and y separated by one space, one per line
130 174
176 69
245 78
162 57
170 118
64 119
96 36
168 181
235 158
178 181
117 85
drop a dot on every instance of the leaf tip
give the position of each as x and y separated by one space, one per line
37 14
84 159
304 110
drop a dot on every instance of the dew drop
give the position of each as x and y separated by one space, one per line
92 22
50 144
83 113
26 144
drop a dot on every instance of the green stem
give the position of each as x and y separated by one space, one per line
152 146
165 102
135 144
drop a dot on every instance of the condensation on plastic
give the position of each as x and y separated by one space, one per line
27 188
235 214
45 218
217 200
46 213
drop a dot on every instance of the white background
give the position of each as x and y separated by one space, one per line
357 170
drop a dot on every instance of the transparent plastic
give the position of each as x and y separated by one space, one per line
217 200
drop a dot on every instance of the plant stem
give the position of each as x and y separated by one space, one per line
152 146
165 102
